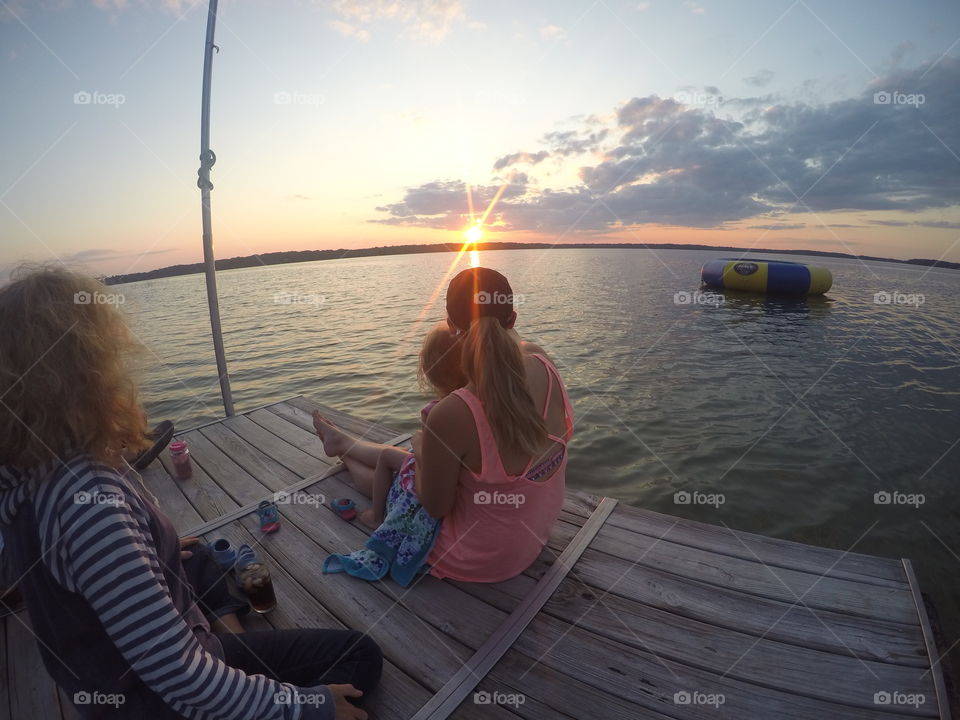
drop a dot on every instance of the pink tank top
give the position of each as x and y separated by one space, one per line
499 523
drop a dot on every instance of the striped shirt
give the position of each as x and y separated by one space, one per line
95 539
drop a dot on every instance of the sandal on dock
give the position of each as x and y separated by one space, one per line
269 517
245 556
344 507
162 434
223 553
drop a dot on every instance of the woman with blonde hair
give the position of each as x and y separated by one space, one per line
99 565
491 459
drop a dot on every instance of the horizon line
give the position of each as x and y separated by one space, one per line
281 257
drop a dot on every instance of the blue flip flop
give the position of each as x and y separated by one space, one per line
245 556
344 507
269 516
223 553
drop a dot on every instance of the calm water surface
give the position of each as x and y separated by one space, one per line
797 413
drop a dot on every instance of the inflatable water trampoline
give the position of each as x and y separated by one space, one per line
774 277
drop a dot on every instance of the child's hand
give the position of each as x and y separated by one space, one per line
186 542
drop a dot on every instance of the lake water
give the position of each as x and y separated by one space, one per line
796 413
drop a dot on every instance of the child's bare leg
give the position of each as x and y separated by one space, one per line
364 476
361 474
337 443
372 517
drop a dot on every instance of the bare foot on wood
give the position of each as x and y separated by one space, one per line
335 442
369 518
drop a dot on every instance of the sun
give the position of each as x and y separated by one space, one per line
474 234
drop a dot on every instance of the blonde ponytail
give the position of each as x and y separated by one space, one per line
494 363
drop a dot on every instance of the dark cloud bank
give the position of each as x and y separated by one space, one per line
668 163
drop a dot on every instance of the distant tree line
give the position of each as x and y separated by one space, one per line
294 256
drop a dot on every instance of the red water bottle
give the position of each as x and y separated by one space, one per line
180 457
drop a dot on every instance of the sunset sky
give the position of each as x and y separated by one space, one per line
355 123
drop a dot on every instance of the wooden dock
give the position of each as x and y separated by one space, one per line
626 614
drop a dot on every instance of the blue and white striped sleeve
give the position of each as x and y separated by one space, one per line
109 560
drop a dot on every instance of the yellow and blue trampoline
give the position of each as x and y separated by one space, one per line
774 277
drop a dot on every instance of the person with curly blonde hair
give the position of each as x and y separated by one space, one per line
98 563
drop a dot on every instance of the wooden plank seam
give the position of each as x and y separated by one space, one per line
243 414
937 675
458 687
240 512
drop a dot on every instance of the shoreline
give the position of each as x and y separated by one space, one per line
297 256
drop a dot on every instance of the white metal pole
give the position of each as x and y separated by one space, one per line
207 159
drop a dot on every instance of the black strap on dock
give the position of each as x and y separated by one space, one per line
458 687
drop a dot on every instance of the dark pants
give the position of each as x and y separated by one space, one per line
210 586
306 657
301 657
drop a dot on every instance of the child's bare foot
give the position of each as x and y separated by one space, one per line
335 442
369 518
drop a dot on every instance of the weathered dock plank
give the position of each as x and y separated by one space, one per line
302 438
755 578
262 467
654 682
774 552
788 622
655 607
795 669
565 694
277 448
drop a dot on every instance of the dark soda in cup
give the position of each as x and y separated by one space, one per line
254 579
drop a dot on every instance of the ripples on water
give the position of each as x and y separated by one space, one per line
798 412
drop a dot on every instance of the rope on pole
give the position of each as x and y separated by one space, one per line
207 160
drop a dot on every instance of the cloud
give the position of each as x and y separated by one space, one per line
553 32
900 52
939 224
102 254
20 9
444 204
110 4
761 79
424 19
520 157
793 226
694 7
660 161
561 144
572 142
345 28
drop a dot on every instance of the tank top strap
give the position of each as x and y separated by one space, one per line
490 463
554 376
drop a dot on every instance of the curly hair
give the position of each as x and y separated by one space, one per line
440 367
65 385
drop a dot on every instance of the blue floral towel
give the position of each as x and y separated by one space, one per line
399 546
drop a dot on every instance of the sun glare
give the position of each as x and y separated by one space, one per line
474 234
